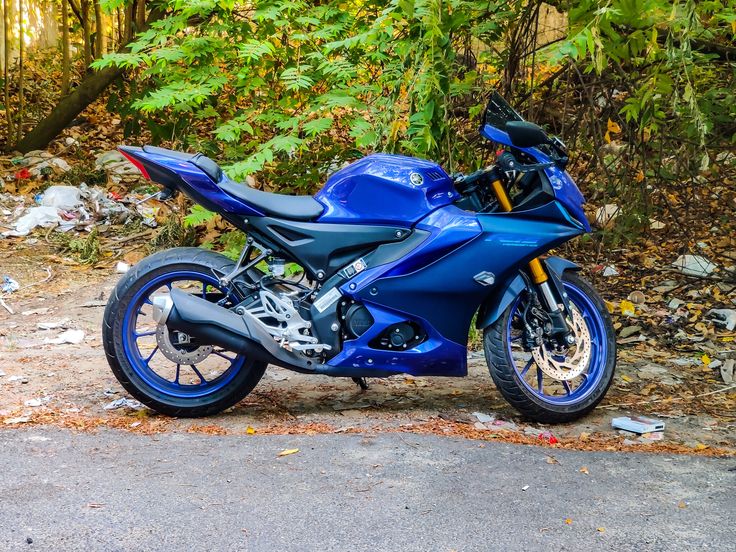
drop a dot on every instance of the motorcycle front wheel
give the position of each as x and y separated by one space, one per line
546 384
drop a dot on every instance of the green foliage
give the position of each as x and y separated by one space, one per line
277 81
671 59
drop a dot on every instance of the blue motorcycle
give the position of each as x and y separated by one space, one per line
398 259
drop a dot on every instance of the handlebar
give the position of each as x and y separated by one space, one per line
506 162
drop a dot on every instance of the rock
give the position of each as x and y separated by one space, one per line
656 225
607 214
694 265
609 271
727 370
484 418
629 331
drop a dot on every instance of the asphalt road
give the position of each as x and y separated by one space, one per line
119 491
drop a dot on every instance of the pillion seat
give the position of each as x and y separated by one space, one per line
276 205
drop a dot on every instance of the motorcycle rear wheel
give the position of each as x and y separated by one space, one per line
557 390
150 362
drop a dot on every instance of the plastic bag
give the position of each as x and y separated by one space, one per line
62 197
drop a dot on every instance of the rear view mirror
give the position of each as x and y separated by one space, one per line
524 134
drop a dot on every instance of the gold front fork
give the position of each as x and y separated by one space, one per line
539 276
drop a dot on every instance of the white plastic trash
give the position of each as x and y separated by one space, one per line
62 197
36 216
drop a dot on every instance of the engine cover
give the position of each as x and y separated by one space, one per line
382 188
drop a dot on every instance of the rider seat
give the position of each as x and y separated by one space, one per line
276 205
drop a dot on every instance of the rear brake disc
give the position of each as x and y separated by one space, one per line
177 353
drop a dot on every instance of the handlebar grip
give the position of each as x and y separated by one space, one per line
507 161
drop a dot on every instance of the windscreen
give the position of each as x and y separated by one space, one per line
499 112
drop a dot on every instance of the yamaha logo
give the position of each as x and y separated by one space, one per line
416 179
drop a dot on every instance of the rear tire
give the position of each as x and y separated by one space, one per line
511 383
198 264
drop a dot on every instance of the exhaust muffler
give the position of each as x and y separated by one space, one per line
215 325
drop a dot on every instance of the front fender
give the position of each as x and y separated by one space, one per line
494 306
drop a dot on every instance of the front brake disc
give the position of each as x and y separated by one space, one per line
575 360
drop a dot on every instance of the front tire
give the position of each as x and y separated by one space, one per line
151 362
527 386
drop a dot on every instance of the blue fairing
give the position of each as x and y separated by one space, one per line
566 191
434 286
388 189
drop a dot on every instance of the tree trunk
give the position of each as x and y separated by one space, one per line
128 25
101 33
68 108
86 32
72 105
140 15
65 59
21 76
6 34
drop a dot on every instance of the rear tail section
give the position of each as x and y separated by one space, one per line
193 174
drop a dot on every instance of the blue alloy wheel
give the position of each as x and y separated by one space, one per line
136 326
168 370
548 384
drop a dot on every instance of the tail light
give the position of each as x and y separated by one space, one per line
138 165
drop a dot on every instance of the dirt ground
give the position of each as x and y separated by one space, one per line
69 385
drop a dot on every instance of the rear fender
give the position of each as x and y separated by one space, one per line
494 306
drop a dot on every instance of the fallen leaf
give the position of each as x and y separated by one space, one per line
701 446
601 529
682 504
568 521
706 360
552 460
249 430
287 452
584 470
627 308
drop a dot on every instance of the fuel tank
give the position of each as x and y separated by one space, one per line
383 188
